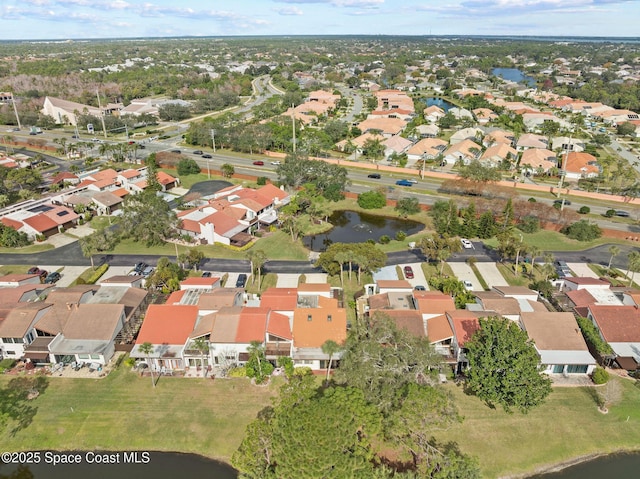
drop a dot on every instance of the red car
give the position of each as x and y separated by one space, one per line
408 272
258 163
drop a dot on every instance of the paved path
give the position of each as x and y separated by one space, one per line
67 275
582 270
115 271
287 280
386 272
316 278
419 278
491 275
464 273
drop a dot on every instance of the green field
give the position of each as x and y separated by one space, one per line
123 412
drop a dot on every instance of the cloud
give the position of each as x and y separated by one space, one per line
523 7
357 3
289 11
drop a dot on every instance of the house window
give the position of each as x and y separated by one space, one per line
329 317
558 368
7 340
95 356
309 318
83 356
577 369
18 340
11 353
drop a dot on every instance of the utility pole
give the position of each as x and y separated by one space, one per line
15 110
104 128
293 125
213 139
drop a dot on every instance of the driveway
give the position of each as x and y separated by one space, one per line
419 278
232 279
491 275
582 270
68 274
115 271
287 281
316 278
464 273
386 273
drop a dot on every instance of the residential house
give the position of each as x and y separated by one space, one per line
484 115
466 134
496 155
620 327
167 328
573 284
387 127
427 131
427 149
18 328
65 112
559 343
580 165
531 140
567 144
496 137
396 144
538 161
464 152
433 113
14 280
463 323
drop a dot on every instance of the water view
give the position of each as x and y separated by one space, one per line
444 104
354 227
159 465
513 74
615 466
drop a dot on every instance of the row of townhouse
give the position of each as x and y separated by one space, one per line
291 322
46 324
432 314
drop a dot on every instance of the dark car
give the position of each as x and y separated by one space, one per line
559 202
176 151
404 183
408 272
258 163
142 147
197 152
242 279
420 288
375 176
53 277
622 214
139 267
206 274
207 155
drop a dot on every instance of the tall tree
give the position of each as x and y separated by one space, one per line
634 264
149 219
201 345
503 366
146 348
330 347
614 251
440 248
101 240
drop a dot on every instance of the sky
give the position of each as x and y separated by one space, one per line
75 19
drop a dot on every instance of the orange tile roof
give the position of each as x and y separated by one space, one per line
279 326
272 191
617 324
252 324
16 225
165 178
311 326
167 324
439 329
465 323
579 162
128 174
195 281
41 223
280 299
108 174
434 302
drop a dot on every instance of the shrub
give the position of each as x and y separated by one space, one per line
261 181
592 336
582 231
600 376
370 200
529 224
401 236
131 362
609 213
188 166
532 200
6 364
584 210
384 239
238 372
97 274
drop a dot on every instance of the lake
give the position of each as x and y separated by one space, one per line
160 465
613 466
444 104
354 227
513 74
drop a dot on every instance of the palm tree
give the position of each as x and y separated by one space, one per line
613 251
330 347
147 348
634 264
202 345
534 251
256 349
341 258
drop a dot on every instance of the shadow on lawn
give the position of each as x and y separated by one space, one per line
16 401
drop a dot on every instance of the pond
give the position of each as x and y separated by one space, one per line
613 466
155 465
354 227
440 102
514 74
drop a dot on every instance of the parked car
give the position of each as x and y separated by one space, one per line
408 272
148 271
139 267
276 163
176 151
207 155
375 176
404 183
40 272
420 288
258 163
53 277
242 279
467 285
466 244
206 274
622 213
559 202
142 147
197 152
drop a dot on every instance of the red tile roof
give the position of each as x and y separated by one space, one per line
439 329
279 326
617 324
252 325
165 178
41 223
465 323
195 281
167 324
311 326
16 225
280 299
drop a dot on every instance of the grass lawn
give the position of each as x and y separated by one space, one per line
34 248
123 412
567 426
553 241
